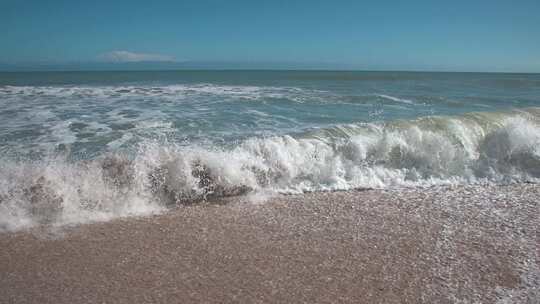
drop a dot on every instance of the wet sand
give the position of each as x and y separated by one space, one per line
440 245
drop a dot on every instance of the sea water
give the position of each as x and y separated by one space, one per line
85 146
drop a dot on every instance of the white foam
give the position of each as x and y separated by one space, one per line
175 92
483 147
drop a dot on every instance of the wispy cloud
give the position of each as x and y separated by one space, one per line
126 56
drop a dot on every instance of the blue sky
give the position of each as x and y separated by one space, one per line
397 35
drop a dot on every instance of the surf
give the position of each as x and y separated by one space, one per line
481 147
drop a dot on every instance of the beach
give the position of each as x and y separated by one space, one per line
459 244
269 152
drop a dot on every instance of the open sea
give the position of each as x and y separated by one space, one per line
92 146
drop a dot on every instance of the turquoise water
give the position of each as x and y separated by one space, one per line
93 112
96 145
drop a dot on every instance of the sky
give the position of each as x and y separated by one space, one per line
458 35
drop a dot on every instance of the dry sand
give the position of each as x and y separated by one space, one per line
473 244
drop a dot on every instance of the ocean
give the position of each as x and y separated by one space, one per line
90 146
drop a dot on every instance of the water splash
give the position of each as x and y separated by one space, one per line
474 148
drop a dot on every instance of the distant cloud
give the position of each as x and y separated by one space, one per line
125 56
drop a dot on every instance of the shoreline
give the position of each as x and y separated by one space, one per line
441 245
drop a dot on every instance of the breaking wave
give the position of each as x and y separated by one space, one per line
473 148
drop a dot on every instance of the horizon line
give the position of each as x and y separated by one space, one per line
254 69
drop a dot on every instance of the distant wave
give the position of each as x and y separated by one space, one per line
176 92
396 99
167 92
490 147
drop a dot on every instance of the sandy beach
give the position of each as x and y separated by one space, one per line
469 244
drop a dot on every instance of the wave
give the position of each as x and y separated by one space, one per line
179 92
165 92
396 99
473 148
